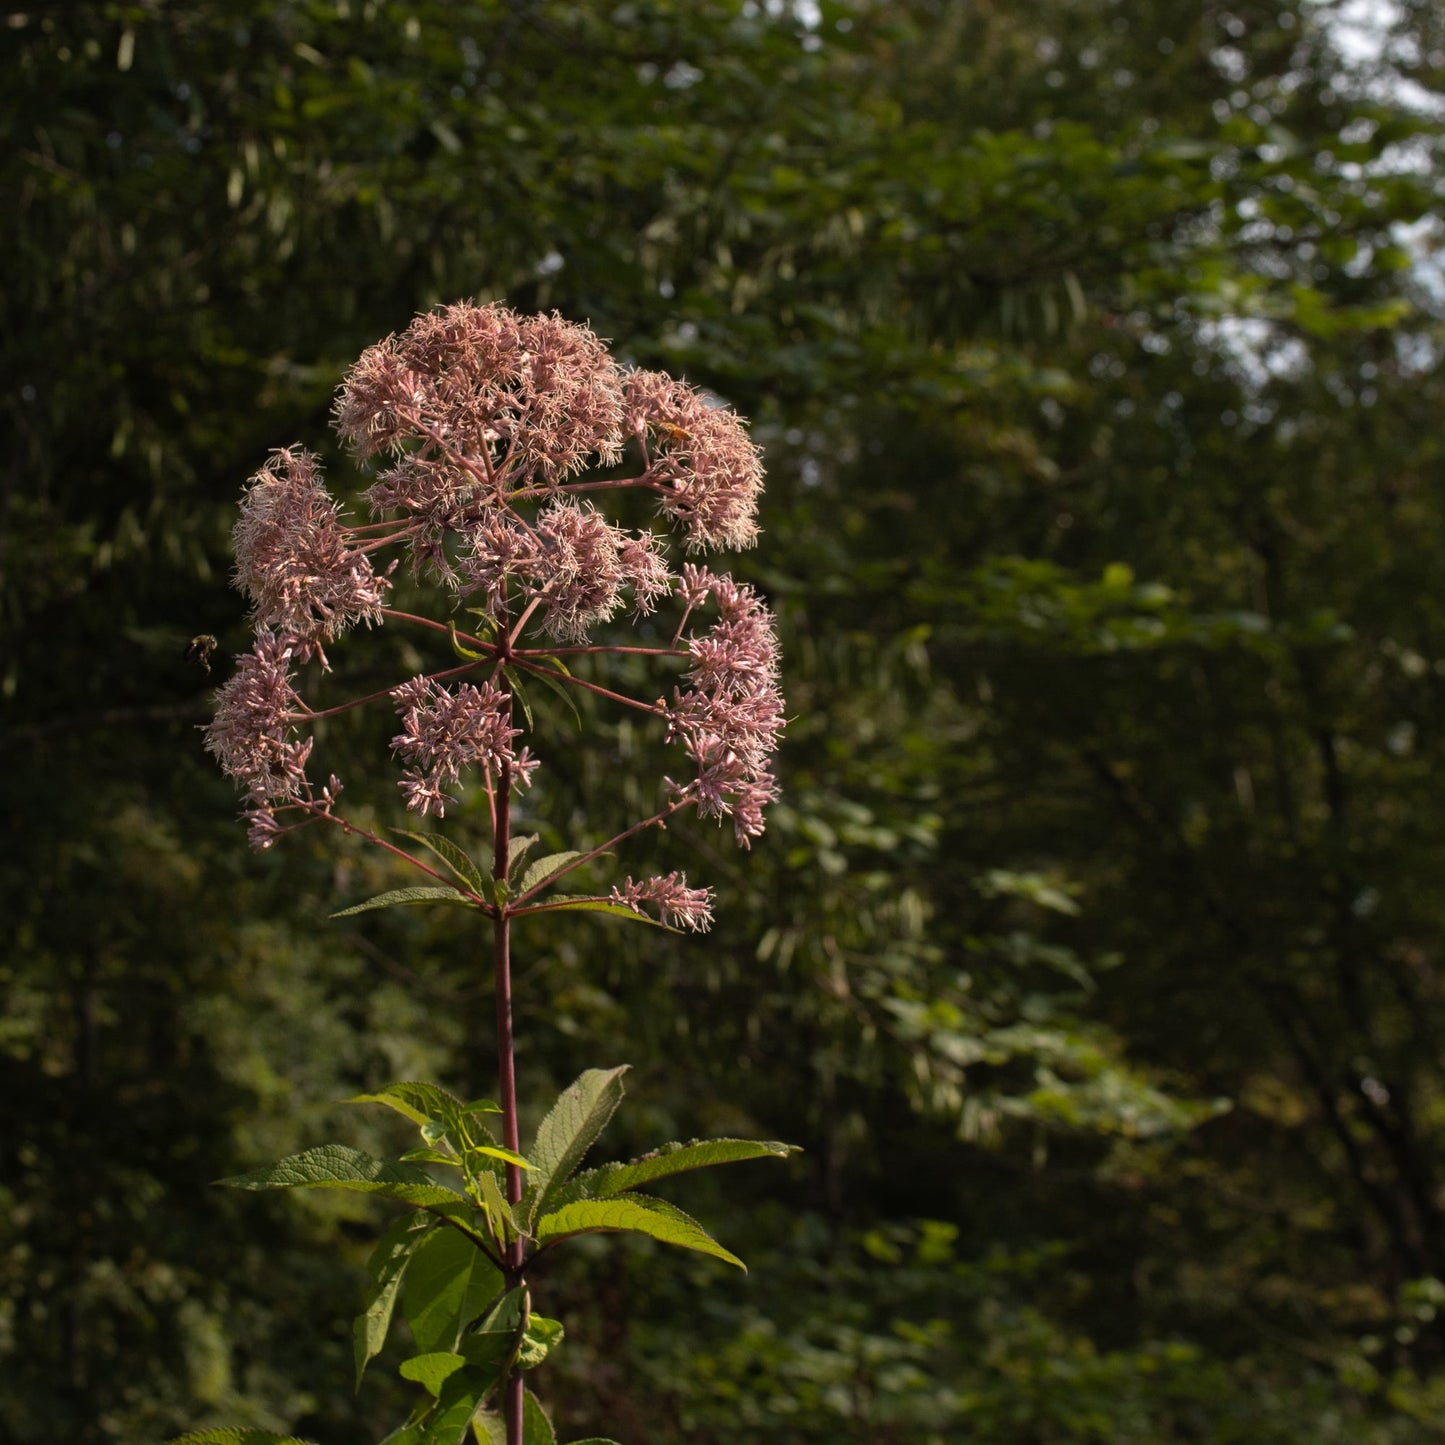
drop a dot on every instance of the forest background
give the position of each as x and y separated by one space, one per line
1095 950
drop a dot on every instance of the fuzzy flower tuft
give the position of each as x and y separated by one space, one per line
294 560
678 905
708 469
253 732
444 732
478 400
730 715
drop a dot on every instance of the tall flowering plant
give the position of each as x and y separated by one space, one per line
497 437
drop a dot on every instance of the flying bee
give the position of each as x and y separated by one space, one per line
201 648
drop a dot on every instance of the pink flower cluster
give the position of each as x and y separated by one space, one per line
498 428
295 560
253 734
673 899
445 731
571 561
730 715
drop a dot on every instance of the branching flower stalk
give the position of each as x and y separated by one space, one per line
494 432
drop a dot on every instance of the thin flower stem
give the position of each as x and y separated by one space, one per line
532 494
545 652
512 1385
448 628
392 529
541 671
658 820
481 474
342 707
516 632
347 826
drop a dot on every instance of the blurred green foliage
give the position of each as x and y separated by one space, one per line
1095 953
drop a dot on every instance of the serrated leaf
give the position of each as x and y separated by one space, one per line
460 862
569 1130
335 1166
407 897
613 1179
540 1338
543 869
449 1283
387 1265
632 1214
237 1437
585 903
430 1371
419 1102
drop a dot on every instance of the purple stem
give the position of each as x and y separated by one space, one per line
512 1384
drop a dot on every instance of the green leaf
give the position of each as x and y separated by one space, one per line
457 1402
387 1265
551 681
514 682
398 897
447 1286
632 1214
613 1179
498 1211
584 903
496 1151
543 869
460 862
464 653
335 1166
569 1130
536 1427
426 1155
542 1336
518 849
421 1103
494 1344
236 1437
431 1370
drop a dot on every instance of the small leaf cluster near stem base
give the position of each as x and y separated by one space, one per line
447 1263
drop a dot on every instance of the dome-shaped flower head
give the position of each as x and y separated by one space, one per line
481 401
294 559
706 467
253 732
